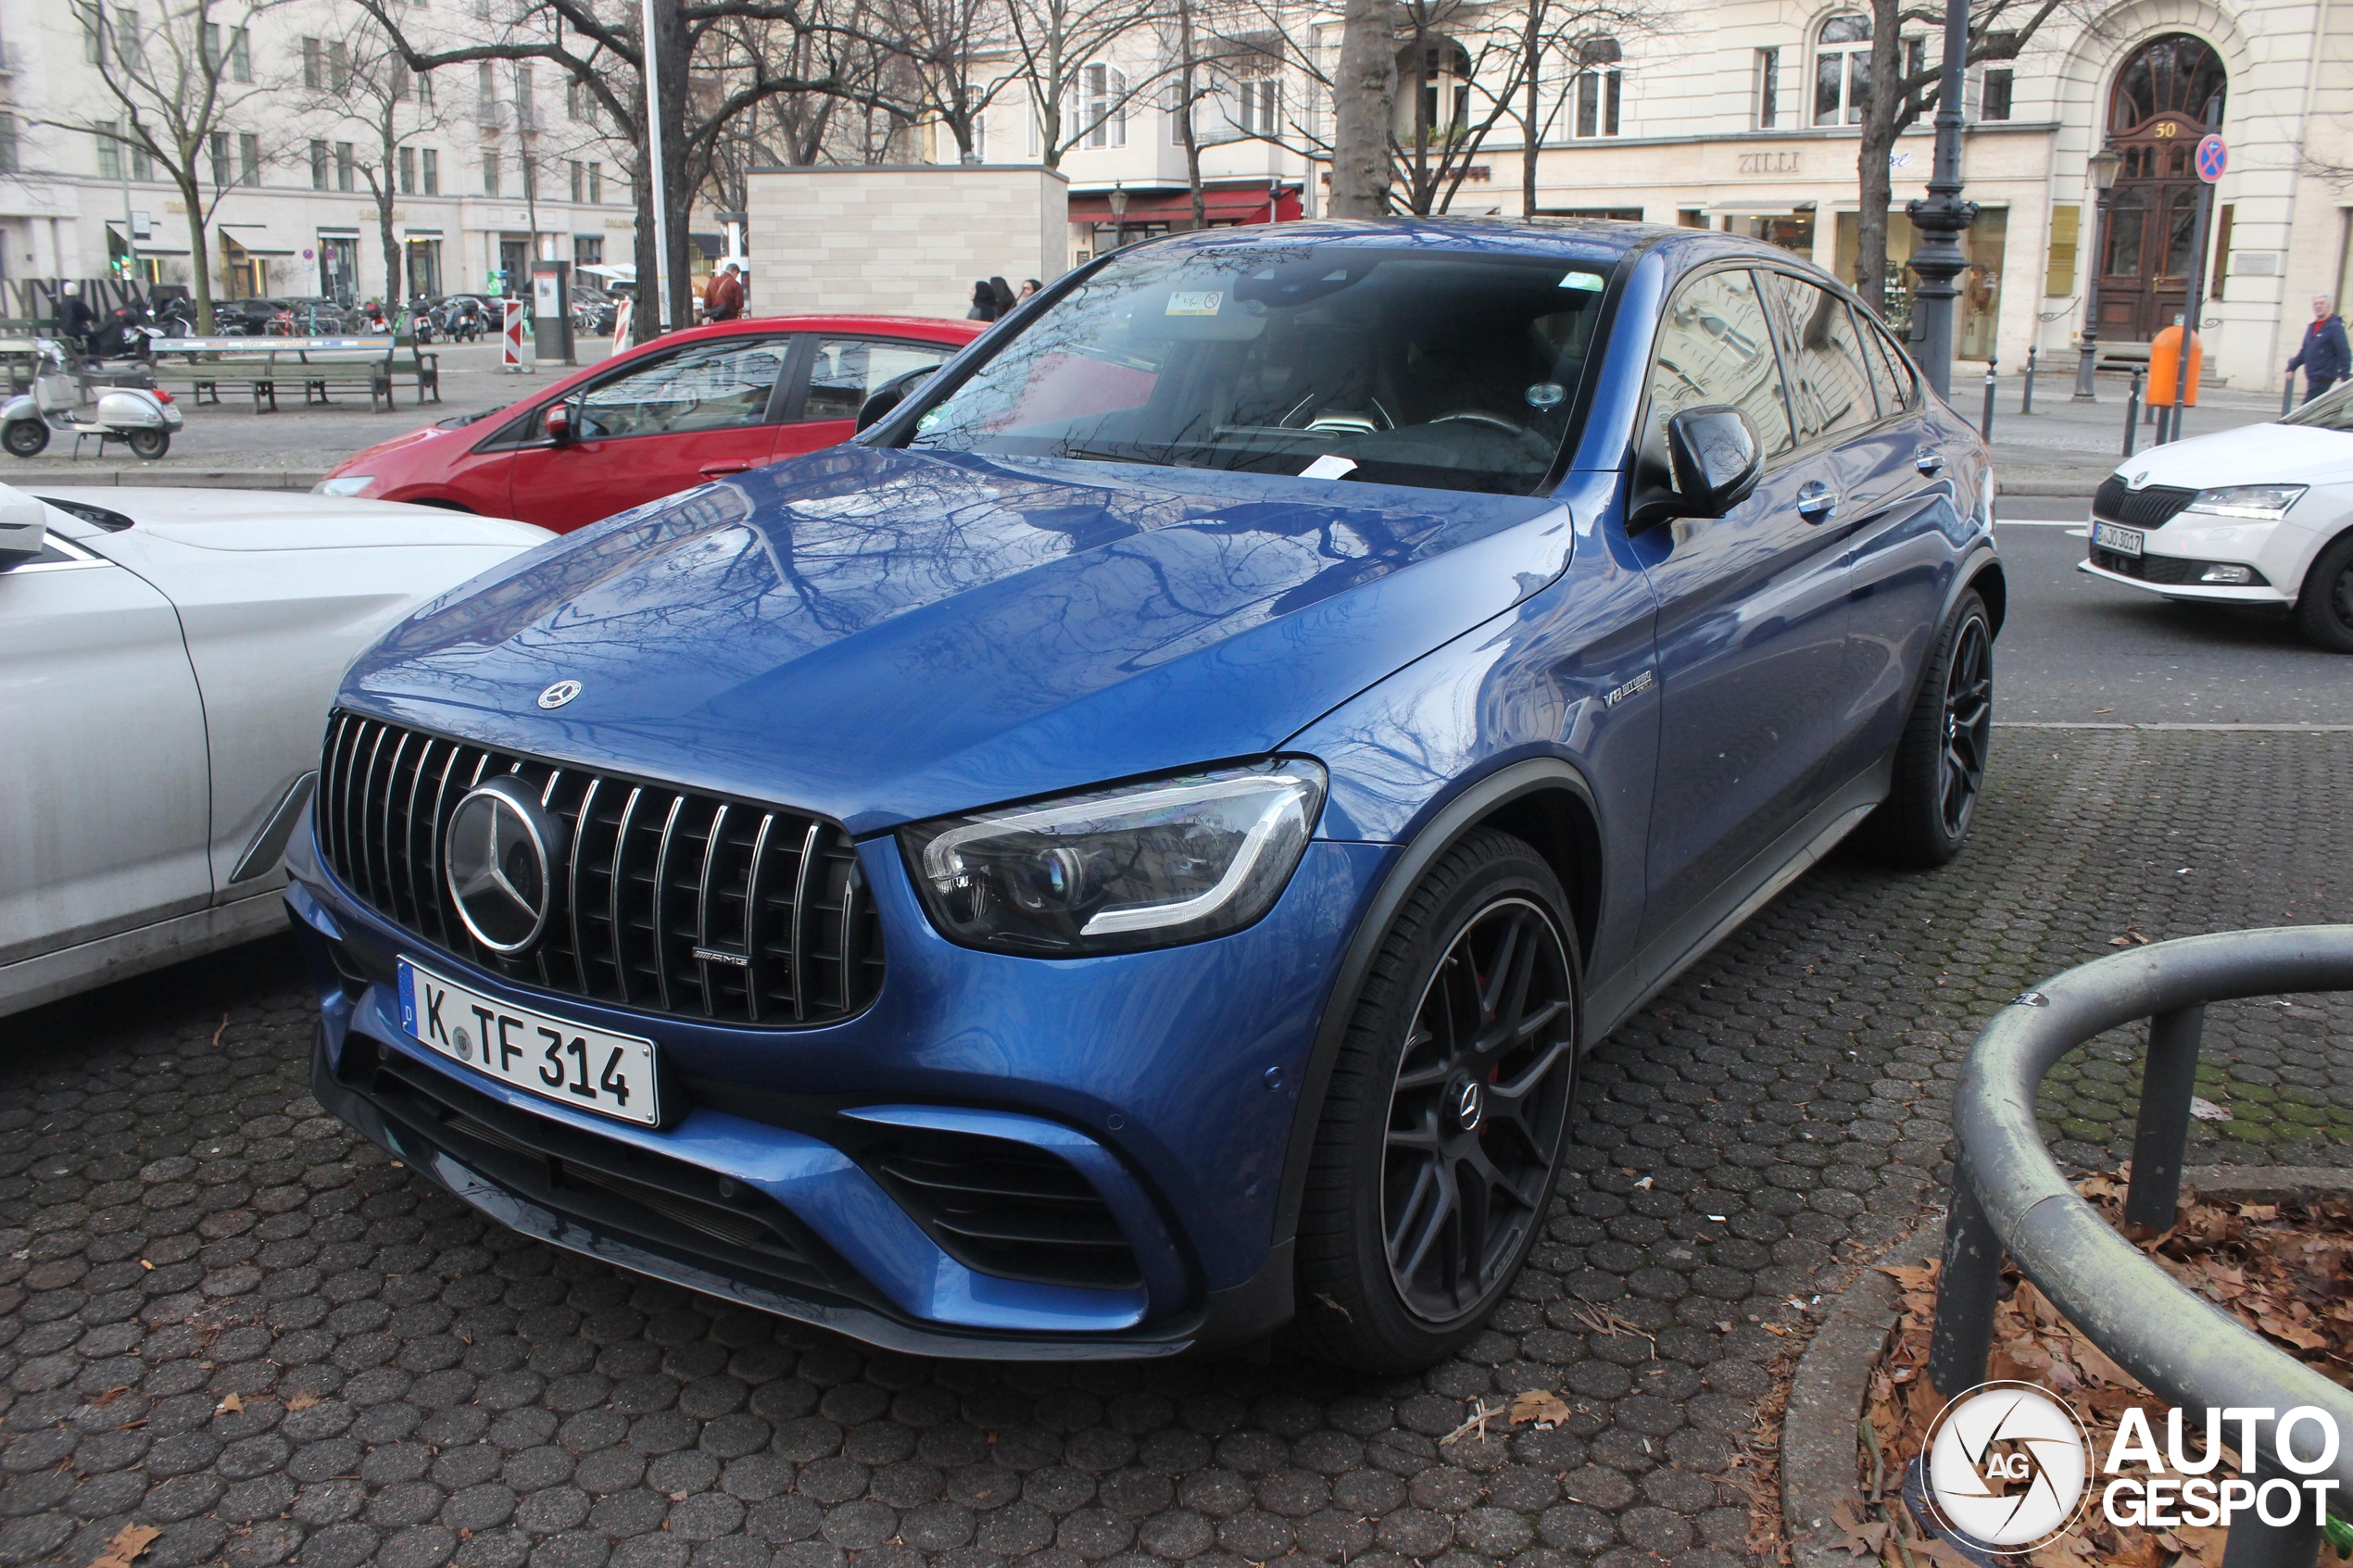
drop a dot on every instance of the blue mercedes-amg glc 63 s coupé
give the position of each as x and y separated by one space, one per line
1127 854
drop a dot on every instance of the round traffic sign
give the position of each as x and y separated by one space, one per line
2213 158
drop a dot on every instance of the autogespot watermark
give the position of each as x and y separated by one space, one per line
2008 1467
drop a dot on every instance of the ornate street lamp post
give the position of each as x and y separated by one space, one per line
1941 216
2103 164
1118 215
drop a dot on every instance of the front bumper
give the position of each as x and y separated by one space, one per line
2194 593
1167 1079
2175 554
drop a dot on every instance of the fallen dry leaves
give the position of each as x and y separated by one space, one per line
125 1545
2281 1269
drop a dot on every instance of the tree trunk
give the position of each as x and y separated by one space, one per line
1531 59
648 305
666 57
386 194
1185 134
1364 105
199 264
1873 178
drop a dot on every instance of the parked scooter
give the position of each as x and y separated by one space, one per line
65 400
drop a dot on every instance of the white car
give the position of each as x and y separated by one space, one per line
2262 515
167 658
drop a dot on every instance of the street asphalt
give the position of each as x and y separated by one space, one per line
2079 649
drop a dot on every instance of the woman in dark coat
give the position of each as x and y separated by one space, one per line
983 302
1002 294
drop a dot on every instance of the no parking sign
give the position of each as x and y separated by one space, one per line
2213 158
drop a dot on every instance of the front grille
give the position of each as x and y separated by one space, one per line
1006 1208
669 1206
2172 571
771 901
2152 507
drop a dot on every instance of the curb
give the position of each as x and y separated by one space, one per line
2049 487
195 479
1827 1391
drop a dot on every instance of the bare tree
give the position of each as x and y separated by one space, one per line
945 49
177 80
1075 89
1901 92
356 77
1363 92
1559 43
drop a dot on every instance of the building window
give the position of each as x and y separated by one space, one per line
530 176
425 88
109 155
248 158
223 171
526 115
1598 89
429 170
489 171
347 168
1103 105
485 93
7 143
1842 72
129 45
1690 217
595 182
2058 266
2000 81
236 64
94 48
1258 105
338 65
1768 89
314 63
1433 90
408 172
578 181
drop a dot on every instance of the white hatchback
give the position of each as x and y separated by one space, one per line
165 662
2262 515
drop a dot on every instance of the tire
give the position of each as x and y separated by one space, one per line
1940 761
2325 610
25 438
1399 1258
149 444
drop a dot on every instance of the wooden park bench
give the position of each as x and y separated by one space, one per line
321 366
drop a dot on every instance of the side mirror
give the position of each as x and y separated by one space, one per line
558 423
891 393
24 527
1714 457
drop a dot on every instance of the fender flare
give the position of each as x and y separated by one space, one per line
1436 834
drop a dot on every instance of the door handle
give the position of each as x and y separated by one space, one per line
718 470
1816 502
1930 463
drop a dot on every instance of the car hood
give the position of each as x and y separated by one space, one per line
280 519
888 635
361 460
2268 454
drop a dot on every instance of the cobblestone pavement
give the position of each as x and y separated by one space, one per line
222 1316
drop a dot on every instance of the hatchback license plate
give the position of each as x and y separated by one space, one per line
588 1068
2123 541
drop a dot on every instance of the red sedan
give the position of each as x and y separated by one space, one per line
668 415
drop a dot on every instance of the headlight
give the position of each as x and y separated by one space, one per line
346 483
2257 503
1146 865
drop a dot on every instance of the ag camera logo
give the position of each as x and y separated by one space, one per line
2007 1466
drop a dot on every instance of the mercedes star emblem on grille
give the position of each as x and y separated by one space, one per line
500 844
559 694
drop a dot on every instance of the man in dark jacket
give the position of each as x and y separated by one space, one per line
723 298
2325 356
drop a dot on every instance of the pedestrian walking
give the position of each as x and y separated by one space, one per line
1001 293
983 302
723 298
2324 357
1028 287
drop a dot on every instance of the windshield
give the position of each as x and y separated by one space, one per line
2330 410
1441 370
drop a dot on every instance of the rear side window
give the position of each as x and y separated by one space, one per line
1830 378
1891 376
847 370
1714 348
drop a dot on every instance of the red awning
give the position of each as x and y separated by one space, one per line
1227 203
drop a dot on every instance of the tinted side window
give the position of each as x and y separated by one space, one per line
1830 383
1714 348
724 385
1898 388
847 370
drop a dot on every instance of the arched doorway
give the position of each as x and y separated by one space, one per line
2167 96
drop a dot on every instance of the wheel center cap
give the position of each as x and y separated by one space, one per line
1468 1101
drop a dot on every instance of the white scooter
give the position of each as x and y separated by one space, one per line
62 399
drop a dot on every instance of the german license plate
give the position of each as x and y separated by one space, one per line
2123 541
553 1057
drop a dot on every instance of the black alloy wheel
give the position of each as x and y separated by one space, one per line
1969 724
1938 771
1442 1124
1475 1112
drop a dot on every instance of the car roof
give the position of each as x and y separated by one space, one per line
938 329
1578 239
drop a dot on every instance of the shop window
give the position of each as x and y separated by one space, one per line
1842 70
1981 286
2058 267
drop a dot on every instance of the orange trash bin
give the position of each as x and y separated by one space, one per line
2165 367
